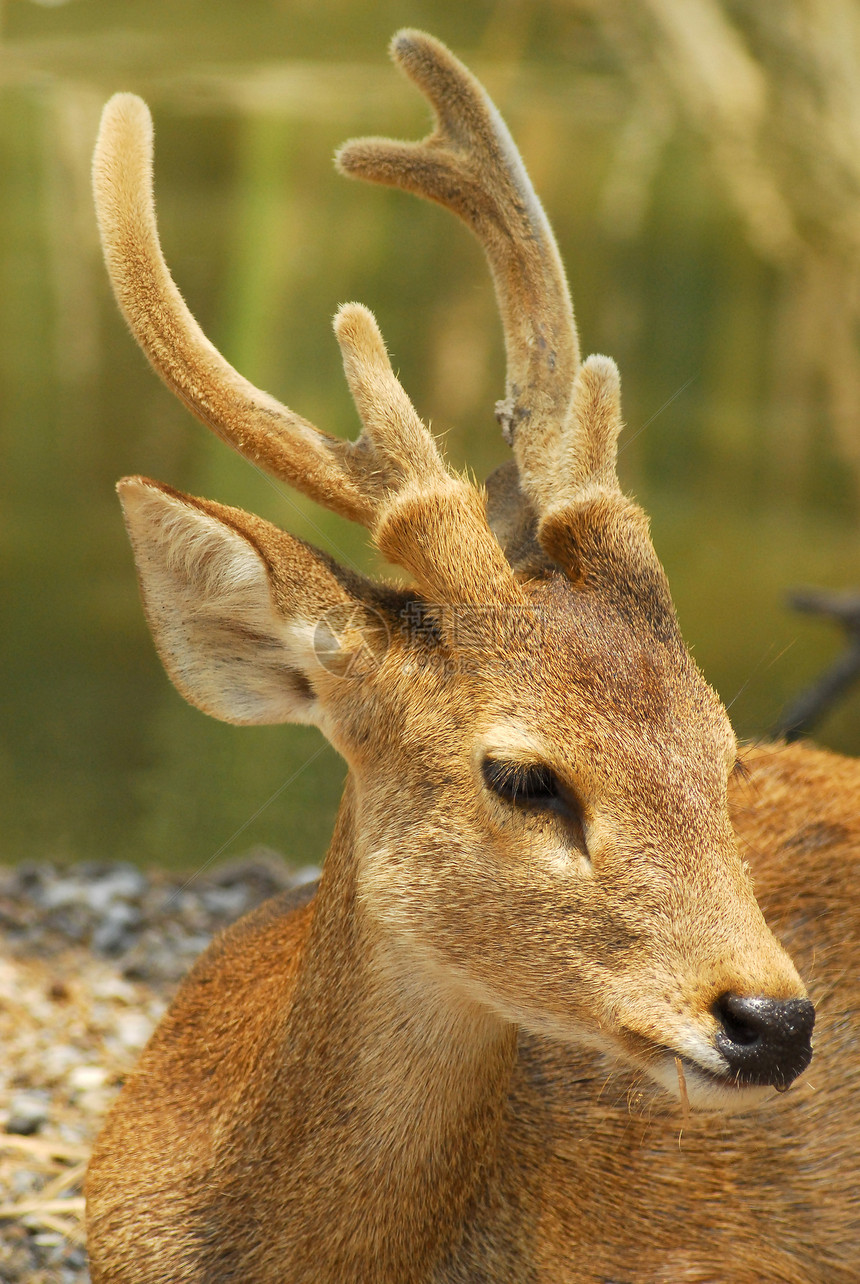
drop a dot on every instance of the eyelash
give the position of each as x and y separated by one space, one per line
535 788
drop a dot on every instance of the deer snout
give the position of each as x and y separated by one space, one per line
764 1041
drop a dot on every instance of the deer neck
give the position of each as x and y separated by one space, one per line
390 1097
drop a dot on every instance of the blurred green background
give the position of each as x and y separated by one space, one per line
701 166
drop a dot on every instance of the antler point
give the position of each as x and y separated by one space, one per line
404 41
125 109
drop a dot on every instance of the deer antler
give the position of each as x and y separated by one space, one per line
252 421
392 479
425 517
470 165
562 418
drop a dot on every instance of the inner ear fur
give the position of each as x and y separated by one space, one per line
251 624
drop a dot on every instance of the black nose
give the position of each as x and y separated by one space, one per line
765 1041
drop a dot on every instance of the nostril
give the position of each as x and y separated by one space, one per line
764 1041
739 1021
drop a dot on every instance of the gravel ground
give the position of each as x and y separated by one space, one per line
89 957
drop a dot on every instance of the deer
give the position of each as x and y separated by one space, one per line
542 1018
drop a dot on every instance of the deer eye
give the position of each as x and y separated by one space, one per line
536 788
524 786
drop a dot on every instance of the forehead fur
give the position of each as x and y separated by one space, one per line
574 660
585 671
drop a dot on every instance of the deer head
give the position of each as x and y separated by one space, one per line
539 769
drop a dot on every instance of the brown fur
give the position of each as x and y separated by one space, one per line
459 1061
592 1177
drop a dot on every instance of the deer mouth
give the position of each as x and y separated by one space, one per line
739 1065
731 1089
756 1045
709 1091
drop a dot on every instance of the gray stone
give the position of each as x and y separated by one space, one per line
28 1110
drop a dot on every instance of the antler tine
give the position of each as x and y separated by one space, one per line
325 468
427 515
470 165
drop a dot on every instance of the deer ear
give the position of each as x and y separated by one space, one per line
251 624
